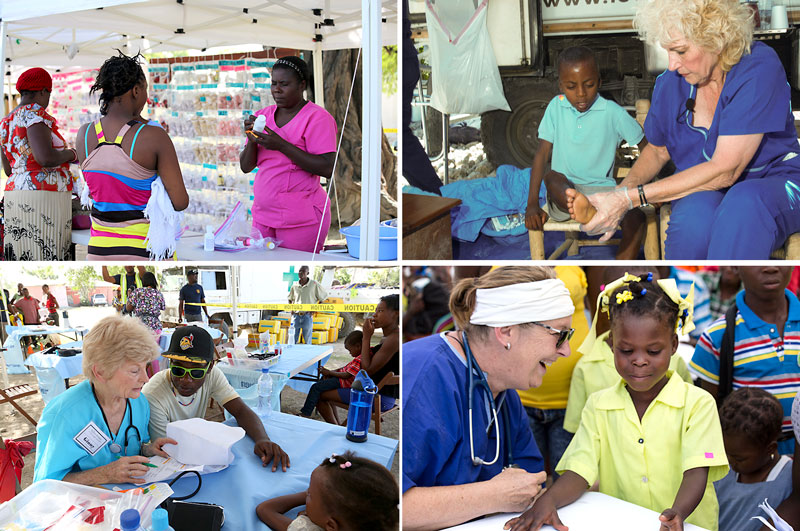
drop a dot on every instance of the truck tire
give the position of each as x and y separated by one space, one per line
348 324
513 137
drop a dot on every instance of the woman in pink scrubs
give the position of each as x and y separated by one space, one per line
297 146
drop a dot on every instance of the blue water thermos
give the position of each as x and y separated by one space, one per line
359 414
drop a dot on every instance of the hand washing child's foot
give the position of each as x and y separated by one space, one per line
580 209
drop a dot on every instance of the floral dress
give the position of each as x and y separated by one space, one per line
148 303
26 173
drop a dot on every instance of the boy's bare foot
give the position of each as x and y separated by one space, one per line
580 209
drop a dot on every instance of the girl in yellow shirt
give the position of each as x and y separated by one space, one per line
652 439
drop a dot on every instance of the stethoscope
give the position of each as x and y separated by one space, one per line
114 447
472 368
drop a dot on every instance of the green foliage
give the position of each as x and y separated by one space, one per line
344 276
43 272
389 64
386 278
82 280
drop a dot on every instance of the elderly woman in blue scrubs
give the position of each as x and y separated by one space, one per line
722 113
97 431
467 448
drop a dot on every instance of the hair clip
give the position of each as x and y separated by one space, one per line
332 458
685 313
346 464
624 296
649 277
643 292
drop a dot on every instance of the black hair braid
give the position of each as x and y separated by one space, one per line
301 67
754 413
117 76
364 496
648 299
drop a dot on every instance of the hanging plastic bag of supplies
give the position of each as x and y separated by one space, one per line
238 234
465 74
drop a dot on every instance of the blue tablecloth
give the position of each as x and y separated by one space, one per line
67 367
13 356
245 484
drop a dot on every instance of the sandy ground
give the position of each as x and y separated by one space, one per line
13 424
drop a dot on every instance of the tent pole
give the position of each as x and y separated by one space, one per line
3 29
371 129
319 88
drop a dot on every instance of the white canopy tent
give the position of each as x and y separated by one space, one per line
84 33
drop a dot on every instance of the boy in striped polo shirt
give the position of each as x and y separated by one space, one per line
767 342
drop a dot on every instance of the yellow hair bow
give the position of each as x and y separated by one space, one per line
685 306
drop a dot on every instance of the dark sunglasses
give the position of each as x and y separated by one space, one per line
563 335
180 372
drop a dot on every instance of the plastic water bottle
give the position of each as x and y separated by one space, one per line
129 520
290 339
208 239
264 409
359 413
160 521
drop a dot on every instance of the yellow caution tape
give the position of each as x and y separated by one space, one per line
348 308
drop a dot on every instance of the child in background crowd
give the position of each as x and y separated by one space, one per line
582 131
344 492
766 342
546 404
341 378
751 421
652 439
595 370
52 306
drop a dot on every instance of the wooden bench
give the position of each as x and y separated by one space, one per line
426 227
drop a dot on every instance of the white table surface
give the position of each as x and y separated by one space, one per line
190 247
594 511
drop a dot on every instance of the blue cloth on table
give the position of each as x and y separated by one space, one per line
245 483
485 198
436 449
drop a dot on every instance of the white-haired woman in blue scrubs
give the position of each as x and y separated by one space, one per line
97 431
458 463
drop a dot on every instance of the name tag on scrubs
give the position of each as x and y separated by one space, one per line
91 438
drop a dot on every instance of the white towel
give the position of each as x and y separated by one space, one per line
165 223
86 200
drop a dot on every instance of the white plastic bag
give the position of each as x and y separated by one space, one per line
780 524
238 234
465 74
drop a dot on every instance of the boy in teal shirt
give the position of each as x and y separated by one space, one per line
582 130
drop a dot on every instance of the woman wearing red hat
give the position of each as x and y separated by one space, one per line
38 208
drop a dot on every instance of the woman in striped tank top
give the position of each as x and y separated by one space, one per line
119 172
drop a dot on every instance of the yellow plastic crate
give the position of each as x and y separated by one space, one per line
333 335
339 322
322 321
252 339
269 325
282 335
319 337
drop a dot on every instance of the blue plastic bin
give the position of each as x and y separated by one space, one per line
387 247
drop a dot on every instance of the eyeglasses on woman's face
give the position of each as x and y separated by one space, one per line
563 335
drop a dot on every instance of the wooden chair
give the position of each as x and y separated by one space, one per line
573 240
789 251
11 394
377 415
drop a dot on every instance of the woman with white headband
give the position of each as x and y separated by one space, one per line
467 447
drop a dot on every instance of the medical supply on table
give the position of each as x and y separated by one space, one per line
359 413
200 442
208 239
129 520
160 521
780 19
290 339
264 408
